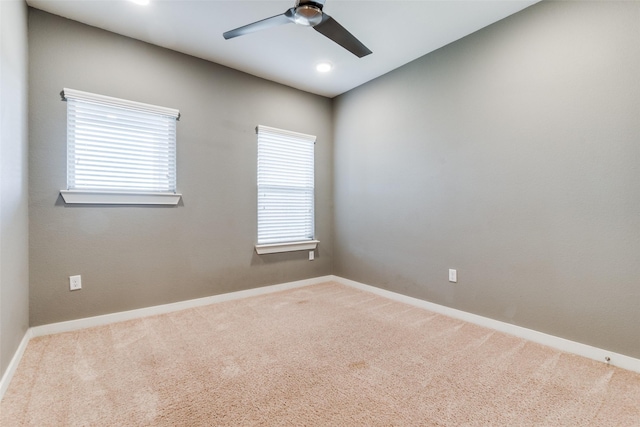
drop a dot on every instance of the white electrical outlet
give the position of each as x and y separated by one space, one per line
75 283
312 255
453 275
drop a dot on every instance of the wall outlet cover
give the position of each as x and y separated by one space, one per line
453 275
75 283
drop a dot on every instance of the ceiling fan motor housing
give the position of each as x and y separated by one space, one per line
307 13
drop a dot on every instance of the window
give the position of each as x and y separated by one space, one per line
285 191
119 151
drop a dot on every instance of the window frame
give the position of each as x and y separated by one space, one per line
285 245
118 196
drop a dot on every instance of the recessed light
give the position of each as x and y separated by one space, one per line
324 67
142 2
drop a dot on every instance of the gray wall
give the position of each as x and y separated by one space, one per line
131 257
511 155
14 243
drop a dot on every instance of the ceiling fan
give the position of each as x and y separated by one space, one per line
308 13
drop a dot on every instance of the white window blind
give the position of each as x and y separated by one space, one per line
285 186
115 145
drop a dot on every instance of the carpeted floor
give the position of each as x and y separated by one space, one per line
324 355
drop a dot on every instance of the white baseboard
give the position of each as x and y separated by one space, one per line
13 365
584 350
74 325
620 360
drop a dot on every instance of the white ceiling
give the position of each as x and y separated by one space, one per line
397 31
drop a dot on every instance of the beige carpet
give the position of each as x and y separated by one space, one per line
324 355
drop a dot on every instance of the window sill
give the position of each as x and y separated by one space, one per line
114 198
287 247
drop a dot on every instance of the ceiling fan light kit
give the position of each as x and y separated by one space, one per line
307 13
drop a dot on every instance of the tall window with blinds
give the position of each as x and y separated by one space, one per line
119 146
285 189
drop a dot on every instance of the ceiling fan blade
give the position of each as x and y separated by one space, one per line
330 28
274 21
